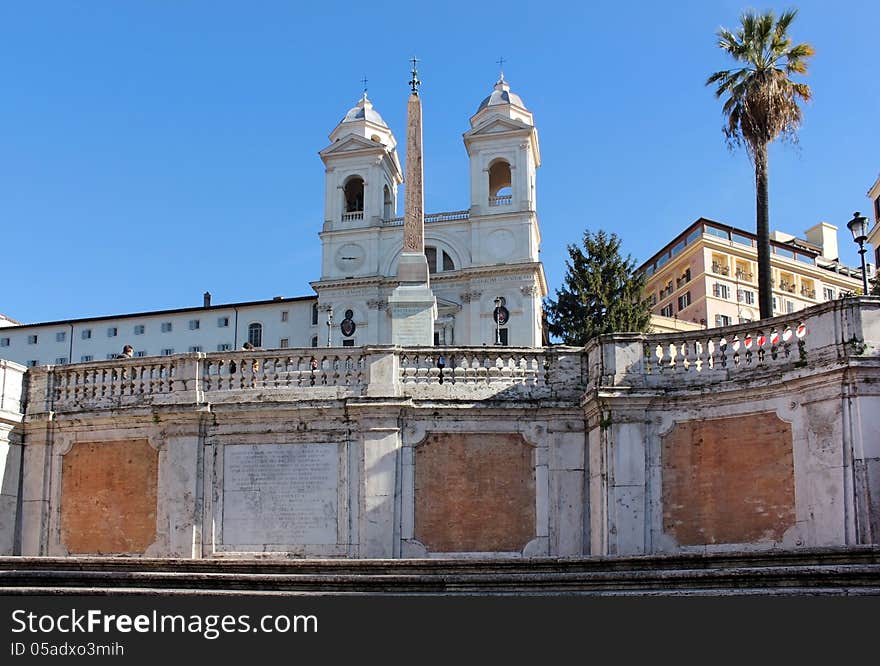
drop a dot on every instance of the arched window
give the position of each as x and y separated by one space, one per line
255 334
315 341
387 209
354 195
500 192
314 314
438 260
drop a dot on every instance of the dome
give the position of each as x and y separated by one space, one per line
501 95
363 110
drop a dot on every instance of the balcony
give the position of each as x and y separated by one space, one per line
784 285
503 200
809 293
744 275
354 215
719 269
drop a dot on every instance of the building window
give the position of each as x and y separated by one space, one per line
828 293
139 329
720 290
225 346
284 315
314 341
193 324
285 342
722 320
666 310
745 296
110 356
348 343
140 354
32 339
112 332
775 304
86 358
195 348
4 342
32 363
62 360
438 260
222 322
255 334
168 351
745 320
502 336
61 336
789 307
86 334
684 300
166 327
314 316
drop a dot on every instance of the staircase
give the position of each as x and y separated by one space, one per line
849 571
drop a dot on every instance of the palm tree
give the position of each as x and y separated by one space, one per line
762 105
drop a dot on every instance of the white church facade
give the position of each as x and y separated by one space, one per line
480 259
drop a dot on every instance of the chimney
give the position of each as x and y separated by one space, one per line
825 236
207 299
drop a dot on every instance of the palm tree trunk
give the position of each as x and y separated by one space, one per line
762 214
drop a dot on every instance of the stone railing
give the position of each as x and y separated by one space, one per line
355 215
819 335
529 367
432 218
85 383
306 374
845 331
284 369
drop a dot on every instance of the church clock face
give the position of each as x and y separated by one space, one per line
350 257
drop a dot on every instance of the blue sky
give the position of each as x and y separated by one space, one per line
150 151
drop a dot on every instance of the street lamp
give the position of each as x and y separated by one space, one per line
859 228
329 325
497 320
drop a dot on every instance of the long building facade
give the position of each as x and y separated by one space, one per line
481 258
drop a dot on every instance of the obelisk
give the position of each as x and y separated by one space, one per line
412 304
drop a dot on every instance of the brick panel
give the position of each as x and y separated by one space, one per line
728 480
108 497
474 492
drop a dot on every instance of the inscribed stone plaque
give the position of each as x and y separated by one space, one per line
474 492
280 494
728 480
108 497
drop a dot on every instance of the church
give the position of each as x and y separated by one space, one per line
482 260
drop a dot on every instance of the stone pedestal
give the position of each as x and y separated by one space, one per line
412 305
413 311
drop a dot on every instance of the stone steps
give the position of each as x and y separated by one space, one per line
847 571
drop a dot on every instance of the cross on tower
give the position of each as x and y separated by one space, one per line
500 63
364 81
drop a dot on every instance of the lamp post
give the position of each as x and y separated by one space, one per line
497 320
330 326
859 228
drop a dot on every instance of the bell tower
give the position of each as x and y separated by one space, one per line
362 170
502 145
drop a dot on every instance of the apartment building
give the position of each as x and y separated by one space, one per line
708 274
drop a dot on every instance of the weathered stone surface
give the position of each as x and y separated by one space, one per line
728 480
474 492
108 497
280 494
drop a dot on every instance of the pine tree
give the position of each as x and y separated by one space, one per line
601 293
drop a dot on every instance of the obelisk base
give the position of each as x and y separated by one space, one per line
412 305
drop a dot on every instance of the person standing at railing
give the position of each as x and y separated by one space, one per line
127 352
